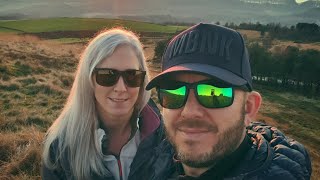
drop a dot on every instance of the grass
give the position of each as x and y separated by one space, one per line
36 76
72 40
296 116
8 30
82 24
10 87
27 81
20 154
297 111
39 76
250 34
302 46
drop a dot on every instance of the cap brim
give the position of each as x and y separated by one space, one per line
216 72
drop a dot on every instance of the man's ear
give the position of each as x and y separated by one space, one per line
252 106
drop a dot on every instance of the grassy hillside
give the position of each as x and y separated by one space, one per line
81 24
35 79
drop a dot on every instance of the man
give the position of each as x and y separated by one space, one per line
206 91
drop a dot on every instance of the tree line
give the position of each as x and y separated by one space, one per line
291 69
301 32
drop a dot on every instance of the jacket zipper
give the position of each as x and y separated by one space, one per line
120 169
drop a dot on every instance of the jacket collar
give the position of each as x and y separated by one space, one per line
149 121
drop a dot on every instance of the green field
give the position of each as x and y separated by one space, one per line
297 114
82 24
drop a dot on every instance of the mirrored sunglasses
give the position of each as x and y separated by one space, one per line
174 94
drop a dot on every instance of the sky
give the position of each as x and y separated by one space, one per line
301 1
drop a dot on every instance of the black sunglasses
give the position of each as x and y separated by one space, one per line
174 94
109 77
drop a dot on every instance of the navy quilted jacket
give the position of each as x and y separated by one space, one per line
272 156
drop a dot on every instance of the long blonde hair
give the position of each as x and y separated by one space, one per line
74 129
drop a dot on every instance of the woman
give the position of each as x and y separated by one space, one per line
107 129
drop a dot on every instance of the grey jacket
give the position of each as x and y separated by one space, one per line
151 132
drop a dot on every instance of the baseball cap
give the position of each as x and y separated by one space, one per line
209 49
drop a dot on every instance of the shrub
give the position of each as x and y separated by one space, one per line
13 113
3 69
5 77
6 149
7 125
21 69
11 87
28 81
66 80
37 121
35 89
160 47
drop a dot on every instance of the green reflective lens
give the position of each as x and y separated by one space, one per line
174 95
214 97
172 99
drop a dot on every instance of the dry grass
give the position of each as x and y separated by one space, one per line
20 154
296 116
277 45
35 78
301 46
250 34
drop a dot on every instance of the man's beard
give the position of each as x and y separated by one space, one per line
227 143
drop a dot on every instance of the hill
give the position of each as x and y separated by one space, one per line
83 24
265 11
36 75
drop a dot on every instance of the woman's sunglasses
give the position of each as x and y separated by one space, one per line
109 77
174 94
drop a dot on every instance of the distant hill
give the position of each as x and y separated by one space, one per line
310 13
15 16
286 12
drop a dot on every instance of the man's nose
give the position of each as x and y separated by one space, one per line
192 109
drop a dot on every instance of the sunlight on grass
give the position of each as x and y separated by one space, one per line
36 76
80 24
72 40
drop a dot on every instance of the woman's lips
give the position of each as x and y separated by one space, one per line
118 99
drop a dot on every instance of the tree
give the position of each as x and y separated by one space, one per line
260 60
159 49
